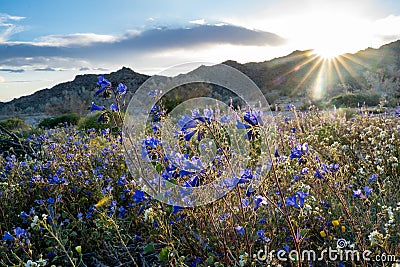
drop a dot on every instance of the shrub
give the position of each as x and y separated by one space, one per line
15 124
91 122
69 118
355 100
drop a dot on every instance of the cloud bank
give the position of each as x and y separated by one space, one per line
91 46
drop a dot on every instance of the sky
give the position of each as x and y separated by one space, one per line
45 42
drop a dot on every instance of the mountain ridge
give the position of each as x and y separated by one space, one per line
286 77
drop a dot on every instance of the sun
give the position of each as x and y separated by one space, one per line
327 53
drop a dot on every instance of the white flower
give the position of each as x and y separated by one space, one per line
243 259
149 215
35 219
376 238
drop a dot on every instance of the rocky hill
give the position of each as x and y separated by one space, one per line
75 95
295 75
287 78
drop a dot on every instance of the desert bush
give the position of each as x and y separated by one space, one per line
355 100
15 124
68 118
91 122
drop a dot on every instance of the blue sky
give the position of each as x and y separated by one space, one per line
45 42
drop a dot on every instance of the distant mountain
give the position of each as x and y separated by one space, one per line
283 79
75 95
295 75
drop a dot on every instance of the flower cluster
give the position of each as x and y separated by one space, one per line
328 178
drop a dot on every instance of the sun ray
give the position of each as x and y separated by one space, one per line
298 66
318 62
349 69
337 69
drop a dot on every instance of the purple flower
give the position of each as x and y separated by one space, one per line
192 182
302 195
121 88
318 174
245 202
152 142
189 135
245 176
292 201
304 170
298 151
357 193
122 180
24 215
114 107
260 234
240 125
20 233
138 196
240 230
122 211
397 112
8 236
290 106
250 191
96 107
154 93
287 119
333 167
253 118
368 190
176 209
287 248
225 119
195 262
373 178
258 200
103 82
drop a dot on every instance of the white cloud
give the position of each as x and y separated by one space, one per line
2 79
78 39
388 28
16 65
4 18
198 21
7 22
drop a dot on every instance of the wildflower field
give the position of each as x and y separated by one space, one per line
330 180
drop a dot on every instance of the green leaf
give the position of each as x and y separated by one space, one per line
163 256
303 232
159 167
153 232
149 248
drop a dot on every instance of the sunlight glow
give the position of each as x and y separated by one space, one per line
327 52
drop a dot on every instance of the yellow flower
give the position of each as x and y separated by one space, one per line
78 249
343 228
335 222
322 233
330 237
102 202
